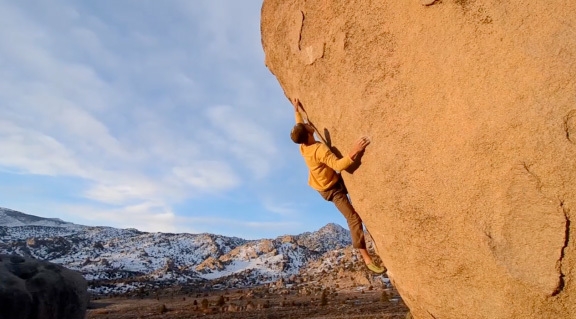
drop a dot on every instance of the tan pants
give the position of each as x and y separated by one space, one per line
338 194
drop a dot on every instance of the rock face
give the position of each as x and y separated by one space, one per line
32 289
469 185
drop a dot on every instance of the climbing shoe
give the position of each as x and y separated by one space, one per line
375 269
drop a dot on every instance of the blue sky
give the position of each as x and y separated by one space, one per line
155 115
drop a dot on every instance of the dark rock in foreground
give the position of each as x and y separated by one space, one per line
34 289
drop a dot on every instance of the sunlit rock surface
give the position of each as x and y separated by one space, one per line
469 185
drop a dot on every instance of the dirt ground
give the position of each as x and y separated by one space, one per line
245 304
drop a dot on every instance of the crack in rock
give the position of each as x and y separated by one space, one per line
563 251
570 126
531 173
427 2
310 53
301 22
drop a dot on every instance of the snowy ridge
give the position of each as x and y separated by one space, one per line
12 218
121 260
329 237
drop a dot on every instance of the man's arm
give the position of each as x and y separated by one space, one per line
359 147
299 118
296 103
327 157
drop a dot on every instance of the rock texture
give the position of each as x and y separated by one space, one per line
469 185
32 289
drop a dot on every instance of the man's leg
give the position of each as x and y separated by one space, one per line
340 199
339 196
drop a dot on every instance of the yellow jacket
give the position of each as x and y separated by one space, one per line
322 163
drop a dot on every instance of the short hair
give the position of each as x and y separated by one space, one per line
299 133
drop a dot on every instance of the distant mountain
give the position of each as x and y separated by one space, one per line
12 218
329 237
122 260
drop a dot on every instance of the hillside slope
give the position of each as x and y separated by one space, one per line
123 260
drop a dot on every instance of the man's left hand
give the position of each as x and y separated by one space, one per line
296 103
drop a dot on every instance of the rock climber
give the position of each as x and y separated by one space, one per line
323 165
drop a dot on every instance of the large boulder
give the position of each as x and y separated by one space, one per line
33 289
469 185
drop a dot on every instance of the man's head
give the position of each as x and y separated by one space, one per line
301 132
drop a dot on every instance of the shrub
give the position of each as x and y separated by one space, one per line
220 301
204 303
324 298
162 309
385 297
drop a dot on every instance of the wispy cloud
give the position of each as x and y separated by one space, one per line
117 193
145 216
208 176
248 229
27 151
280 208
245 139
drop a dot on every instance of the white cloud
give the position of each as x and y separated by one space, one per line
244 228
208 176
225 25
146 216
31 152
121 193
280 208
246 140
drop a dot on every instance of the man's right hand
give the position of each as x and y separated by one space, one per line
359 146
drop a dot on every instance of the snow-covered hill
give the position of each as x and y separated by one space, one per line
12 218
120 260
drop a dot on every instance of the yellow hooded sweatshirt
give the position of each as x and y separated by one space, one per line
322 163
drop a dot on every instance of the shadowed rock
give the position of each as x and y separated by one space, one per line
33 289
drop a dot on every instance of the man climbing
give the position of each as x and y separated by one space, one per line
322 165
